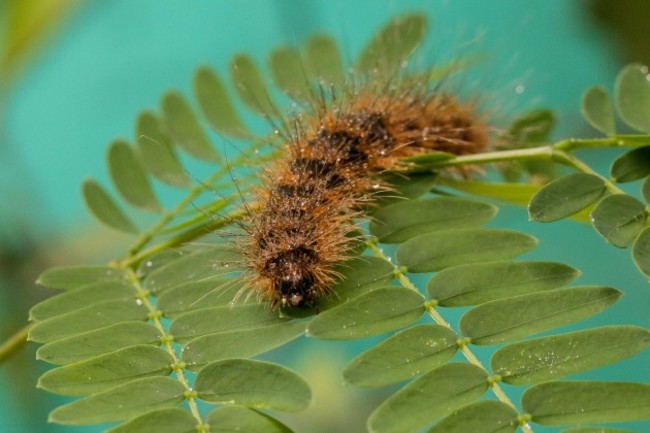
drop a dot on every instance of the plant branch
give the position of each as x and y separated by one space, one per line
14 343
437 317
167 341
145 237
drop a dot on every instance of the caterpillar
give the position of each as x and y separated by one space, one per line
310 198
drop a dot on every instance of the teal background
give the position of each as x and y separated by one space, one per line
113 59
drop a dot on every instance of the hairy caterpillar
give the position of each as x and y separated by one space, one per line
333 158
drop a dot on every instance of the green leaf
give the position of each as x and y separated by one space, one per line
597 109
87 319
288 72
228 419
122 402
645 189
253 384
129 177
71 277
358 276
521 316
172 420
481 417
80 298
401 221
104 208
107 371
632 95
549 358
563 403
619 218
532 128
641 252
221 319
373 313
631 166
476 283
406 354
515 193
194 295
392 45
240 343
94 343
156 260
437 251
157 152
185 129
205 263
565 196
429 397
324 61
216 104
403 186
250 86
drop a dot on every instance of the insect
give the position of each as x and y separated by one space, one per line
311 197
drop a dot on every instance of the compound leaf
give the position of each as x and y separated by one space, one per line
129 177
93 343
631 166
104 208
408 353
429 397
157 152
185 129
373 313
565 196
122 402
87 319
641 252
71 277
481 417
619 218
289 73
216 105
632 96
548 358
403 220
476 283
598 110
228 419
324 60
250 86
80 298
172 420
240 343
440 250
565 403
253 384
521 316
107 371
392 45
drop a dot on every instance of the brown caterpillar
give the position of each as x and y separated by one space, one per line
310 197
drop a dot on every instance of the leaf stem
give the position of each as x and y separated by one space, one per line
144 238
200 230
437 317
14 343
167 341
